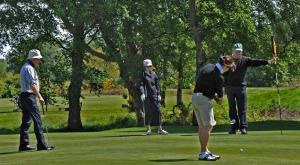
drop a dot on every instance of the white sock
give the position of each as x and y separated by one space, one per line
203 154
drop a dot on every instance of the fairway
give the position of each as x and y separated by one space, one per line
130 146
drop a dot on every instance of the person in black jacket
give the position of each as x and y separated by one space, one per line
235 87
209 85
150 96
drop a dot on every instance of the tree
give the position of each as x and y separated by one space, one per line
2 67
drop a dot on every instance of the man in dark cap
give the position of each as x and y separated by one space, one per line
235 87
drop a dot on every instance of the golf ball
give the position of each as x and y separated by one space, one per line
241 150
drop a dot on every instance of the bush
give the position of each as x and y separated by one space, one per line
9 85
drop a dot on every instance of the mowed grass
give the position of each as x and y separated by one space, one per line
181 146
131 146
102 113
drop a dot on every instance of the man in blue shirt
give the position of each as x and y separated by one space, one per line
30 89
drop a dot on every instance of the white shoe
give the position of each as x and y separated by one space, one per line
148 132
207 157
162 132
214 155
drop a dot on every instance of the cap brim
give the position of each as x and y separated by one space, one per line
238 49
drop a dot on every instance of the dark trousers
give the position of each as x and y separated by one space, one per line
30 112
153 114
237 100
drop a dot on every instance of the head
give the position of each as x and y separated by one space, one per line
237 50
148 65
34 56
226 62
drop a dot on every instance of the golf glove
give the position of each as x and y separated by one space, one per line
143 97
159 98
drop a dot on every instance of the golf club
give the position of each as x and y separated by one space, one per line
45 124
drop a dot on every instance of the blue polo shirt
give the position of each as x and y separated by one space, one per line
28 76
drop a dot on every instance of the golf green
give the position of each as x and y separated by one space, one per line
131 146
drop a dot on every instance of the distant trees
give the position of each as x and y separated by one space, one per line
179 36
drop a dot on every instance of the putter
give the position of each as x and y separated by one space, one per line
45 124
233 121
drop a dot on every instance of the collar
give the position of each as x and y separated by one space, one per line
220 68
30 63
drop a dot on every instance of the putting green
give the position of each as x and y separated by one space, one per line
130 146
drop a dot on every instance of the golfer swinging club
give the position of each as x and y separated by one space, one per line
209 86
30 87
150 96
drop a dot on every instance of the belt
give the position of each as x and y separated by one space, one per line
200 93
27 93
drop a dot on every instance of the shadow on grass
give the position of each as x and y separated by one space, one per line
117 136
269 125
170 160
12 152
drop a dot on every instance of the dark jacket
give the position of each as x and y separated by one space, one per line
149 84
210 81
236 78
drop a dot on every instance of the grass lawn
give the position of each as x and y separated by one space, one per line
130 146
263 145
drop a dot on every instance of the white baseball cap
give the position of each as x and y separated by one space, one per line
147 62
34 53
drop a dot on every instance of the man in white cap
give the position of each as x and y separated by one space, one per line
150 95
30 89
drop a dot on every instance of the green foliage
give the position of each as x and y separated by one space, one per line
9 85
3 67
95 78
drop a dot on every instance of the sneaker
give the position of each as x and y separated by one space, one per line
207 157
26 148
244 131
162 132
148 132
45 148
216 156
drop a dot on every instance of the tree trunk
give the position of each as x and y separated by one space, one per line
74 92
180 81
198 37
130 72
136 101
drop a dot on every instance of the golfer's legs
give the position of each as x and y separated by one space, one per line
155 113
147 109
204 134
24 128
242 107
37 121
230 91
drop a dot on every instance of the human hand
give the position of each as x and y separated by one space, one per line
143 97
41 100
219 100
159 98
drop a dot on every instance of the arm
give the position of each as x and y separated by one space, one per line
37 93
141 83
252 62
219 90
32 80
157 85
142 87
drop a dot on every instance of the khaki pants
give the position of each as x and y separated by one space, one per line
203 109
